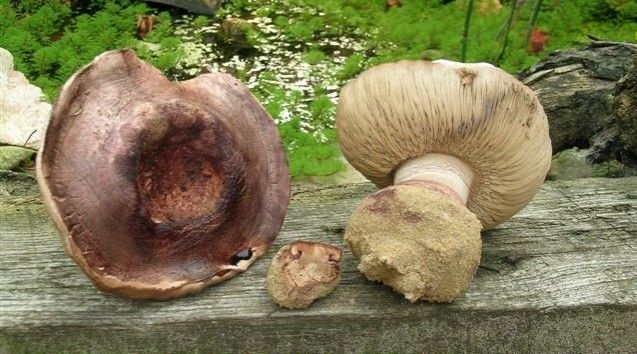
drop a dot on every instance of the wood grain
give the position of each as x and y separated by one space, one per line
561 276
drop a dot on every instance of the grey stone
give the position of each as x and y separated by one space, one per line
204 7
23 113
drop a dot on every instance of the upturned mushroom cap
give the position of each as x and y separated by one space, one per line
302 272
161 188
474 112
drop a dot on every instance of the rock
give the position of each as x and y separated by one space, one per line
23 115
236 32
576 90
204 7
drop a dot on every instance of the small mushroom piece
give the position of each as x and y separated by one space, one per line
302 272
457 148
161 188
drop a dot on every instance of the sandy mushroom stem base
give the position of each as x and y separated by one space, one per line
417 240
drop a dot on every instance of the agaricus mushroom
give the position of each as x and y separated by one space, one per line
302 272
159 188
458 148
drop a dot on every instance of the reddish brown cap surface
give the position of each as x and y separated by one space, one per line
161 188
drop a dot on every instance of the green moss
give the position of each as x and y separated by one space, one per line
352 66
569 164
49 45
314 56
16 158
299 31
613 169
310 144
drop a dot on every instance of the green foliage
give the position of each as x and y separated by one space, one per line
353 65
168 53
425 29
627 9
307 154
299 31
310 148
615 10
49 45
420 28
49 42
323 111
314 56
200 21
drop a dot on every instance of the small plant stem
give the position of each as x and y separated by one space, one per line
536 10
514 6
465 31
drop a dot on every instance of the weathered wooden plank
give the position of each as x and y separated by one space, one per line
561 276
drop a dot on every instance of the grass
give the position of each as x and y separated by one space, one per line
299 52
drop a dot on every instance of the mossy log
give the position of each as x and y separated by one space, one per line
561 276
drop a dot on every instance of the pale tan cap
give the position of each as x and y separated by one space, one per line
475 112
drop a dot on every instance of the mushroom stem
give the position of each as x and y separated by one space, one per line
444 173
417 235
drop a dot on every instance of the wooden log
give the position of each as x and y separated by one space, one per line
578 89
625 104
561 276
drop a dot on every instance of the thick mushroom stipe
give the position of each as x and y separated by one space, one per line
466 146
159 188
302 272
416 240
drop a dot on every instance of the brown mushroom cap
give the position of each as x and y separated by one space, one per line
302 272
475 112
161 188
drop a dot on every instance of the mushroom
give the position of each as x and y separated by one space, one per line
160 189
302 272
458 148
